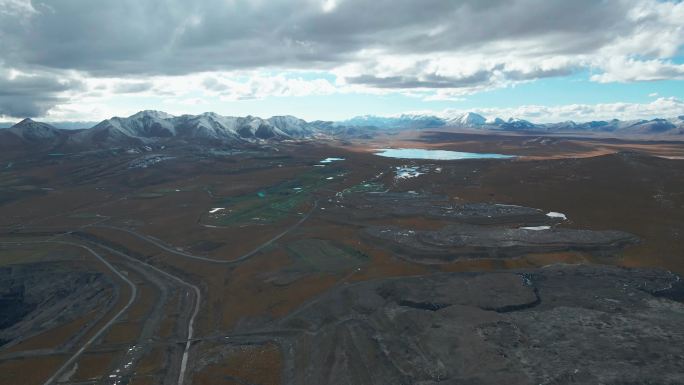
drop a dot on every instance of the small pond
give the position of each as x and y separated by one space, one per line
419 153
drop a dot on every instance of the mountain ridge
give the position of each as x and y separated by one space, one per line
471 120
150 125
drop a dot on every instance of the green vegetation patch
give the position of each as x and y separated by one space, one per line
365 187
273 203
266 209
324 256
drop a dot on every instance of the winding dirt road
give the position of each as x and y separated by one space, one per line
191 322
166 247
192 288
134 294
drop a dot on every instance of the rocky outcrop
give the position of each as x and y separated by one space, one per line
557 325
472 241
35 297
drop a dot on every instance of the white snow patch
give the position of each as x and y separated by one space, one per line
330 160
503 205
554 214
216 209
536 228
406 172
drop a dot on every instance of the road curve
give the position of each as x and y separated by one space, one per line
195 289
241 258
134 293
191 322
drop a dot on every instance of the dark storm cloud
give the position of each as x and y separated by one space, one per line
132 87
428 81
125 37
212 84
480 78
539 73
31 96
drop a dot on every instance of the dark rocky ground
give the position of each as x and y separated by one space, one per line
467 230
473 241
376 205
564 324
408 322
38 296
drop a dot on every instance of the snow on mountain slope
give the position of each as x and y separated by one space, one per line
404 121
31 130
291 126
156 124
206 126
149 126
468 119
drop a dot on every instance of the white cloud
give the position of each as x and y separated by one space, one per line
659 108
621 69
657 31
329 5
257 86
431 49
17 8
100 98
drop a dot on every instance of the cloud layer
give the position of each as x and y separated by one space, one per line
661 107
440 49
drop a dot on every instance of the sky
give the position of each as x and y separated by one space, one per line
541 60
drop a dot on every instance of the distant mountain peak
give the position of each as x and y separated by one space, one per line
148 126
467 119
29 129
151 113
28 122
403 121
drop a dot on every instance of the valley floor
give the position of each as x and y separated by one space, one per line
263 265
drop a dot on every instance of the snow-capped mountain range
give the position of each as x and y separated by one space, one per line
157 124
406 121
471 120
149 126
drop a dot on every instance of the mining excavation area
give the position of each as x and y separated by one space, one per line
321 262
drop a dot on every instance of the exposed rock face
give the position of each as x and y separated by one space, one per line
472 241
439 207
557 325
475 230
37 296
